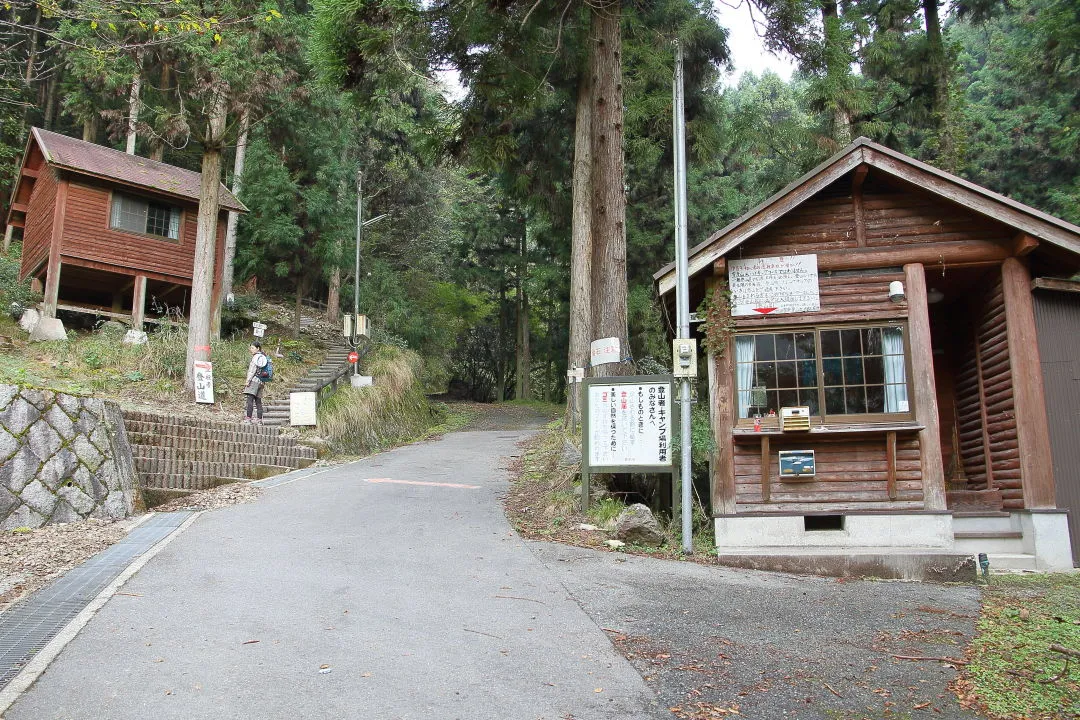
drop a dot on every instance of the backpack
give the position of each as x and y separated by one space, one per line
266 372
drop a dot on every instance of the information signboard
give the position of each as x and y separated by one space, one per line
259 328
302 408
628 424
764 286
204 381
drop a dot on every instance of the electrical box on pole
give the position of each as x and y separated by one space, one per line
685 357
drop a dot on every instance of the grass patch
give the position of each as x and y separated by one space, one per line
544 503
393 411
1012 670
99 363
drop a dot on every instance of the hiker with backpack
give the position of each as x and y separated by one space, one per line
260 371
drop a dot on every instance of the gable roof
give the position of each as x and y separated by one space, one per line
87 158
864 151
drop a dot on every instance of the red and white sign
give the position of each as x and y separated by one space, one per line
604 351
204 381
764 286
353 356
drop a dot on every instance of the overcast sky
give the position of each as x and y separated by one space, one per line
747 51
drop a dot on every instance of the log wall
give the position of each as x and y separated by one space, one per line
852 474
37 233
984 377
856 296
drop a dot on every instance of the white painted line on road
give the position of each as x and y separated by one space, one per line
419 482
33 670
299 477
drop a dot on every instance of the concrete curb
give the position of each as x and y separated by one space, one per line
40 662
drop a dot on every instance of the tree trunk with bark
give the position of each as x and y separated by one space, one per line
333 296
51 99
237 185
133 104
939 74
523 377
202 280
608 179
833 34
581 245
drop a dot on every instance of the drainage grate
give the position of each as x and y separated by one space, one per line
29 626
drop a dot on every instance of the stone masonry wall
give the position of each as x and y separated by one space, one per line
62 458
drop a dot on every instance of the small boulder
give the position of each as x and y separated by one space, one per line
615 544
587 526
636 524
571 455
135 337
29 319
47 329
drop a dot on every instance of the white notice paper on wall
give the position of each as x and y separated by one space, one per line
629 424
302 408
773 285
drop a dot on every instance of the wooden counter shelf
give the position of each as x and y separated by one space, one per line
741 434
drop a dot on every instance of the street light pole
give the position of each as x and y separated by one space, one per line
682 297
355 339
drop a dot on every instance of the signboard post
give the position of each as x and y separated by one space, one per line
204 382
784 284
627 427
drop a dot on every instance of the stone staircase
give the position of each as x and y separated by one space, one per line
276 412
981 525
178 455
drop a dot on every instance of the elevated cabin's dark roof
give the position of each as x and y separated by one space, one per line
1054 231
86 158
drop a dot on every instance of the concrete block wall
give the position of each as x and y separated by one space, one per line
62 458
186 454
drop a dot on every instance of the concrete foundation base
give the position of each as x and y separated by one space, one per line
922 530
1046 536
901 563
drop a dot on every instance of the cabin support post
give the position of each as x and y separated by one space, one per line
722 407
52 276
924 388
9 232
138 303
1032 426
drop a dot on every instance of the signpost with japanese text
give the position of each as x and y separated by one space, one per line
628 426
204 382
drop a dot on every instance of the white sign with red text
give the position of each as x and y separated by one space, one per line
604 351
774 285
204 381
629 424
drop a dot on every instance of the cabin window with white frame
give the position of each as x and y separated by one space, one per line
145 217
835 372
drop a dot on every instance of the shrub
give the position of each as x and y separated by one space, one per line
358 421
12 291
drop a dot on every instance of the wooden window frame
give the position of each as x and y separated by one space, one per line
824 419
178 240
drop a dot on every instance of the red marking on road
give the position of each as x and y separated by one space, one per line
420 482
763 311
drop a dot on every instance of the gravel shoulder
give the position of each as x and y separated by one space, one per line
714 642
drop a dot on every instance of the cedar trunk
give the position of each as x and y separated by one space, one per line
202 279
237 185
333 297
608 303
133 105
522 381
581 250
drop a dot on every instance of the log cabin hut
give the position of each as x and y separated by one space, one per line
931 331
106 233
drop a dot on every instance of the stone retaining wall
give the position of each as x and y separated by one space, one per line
62 458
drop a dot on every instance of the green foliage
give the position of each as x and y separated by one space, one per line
606 510
358 421
12 291
1011 665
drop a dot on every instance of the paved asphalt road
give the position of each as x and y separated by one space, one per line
422 603
418 598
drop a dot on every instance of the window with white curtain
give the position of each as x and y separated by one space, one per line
845 371
145 217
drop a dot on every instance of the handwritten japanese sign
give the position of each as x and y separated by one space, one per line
763 286
604 351
204 382
629 424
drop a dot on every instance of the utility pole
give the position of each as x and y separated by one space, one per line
355 339
682 297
